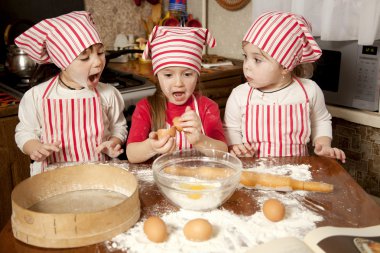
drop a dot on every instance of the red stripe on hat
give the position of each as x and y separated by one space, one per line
77 36
176 41
292 63
62 37
29 48
261 28
72 25
284 37
249 33
173 63
54 56
273 30
83 25
86 28
170 58
31 39
291 47
177 51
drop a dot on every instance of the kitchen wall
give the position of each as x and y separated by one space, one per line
118 16
229 28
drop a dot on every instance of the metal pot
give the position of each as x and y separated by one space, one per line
19 63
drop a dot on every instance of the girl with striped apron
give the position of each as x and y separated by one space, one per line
277 130
69 126
278 48
76 122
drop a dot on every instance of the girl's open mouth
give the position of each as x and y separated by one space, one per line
94 79
179 96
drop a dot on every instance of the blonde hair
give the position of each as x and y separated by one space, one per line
157 109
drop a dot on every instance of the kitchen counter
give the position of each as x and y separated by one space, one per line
347 206
144 69
215 83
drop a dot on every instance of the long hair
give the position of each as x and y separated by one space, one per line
157 103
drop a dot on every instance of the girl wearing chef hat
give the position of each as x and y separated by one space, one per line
72 117
176 54
278 109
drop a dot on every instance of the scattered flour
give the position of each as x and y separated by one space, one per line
232 232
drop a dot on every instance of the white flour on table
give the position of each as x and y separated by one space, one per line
232 232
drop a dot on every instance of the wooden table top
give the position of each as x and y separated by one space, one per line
347 206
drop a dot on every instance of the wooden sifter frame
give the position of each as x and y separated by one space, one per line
67 230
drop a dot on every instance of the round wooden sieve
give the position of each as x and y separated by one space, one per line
75 206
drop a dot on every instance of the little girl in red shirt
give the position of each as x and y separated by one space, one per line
176 54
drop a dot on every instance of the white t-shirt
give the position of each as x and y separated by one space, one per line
30 110
234 115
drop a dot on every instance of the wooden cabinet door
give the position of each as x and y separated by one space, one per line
14 166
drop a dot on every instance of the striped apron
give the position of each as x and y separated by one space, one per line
77 123
278 130
181 139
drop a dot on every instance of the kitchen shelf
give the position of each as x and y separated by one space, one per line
362 117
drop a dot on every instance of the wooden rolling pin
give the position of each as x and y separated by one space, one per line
254 179
251 179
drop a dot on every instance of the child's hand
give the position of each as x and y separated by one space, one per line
242 150
328 151
161 146
110 148
192 125
44 150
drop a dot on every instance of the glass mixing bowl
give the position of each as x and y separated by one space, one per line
197 180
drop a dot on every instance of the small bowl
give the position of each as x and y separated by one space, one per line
197 180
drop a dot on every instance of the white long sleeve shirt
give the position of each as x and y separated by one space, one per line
234 116
31 112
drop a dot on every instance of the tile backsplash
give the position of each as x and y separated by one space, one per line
118 16
362 147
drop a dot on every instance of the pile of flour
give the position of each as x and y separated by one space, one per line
232 233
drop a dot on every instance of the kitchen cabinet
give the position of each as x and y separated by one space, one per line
215 83
14 165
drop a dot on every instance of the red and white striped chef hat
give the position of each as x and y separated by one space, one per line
170 46
284 36
59 40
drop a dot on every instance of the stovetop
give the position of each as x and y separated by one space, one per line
124 82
